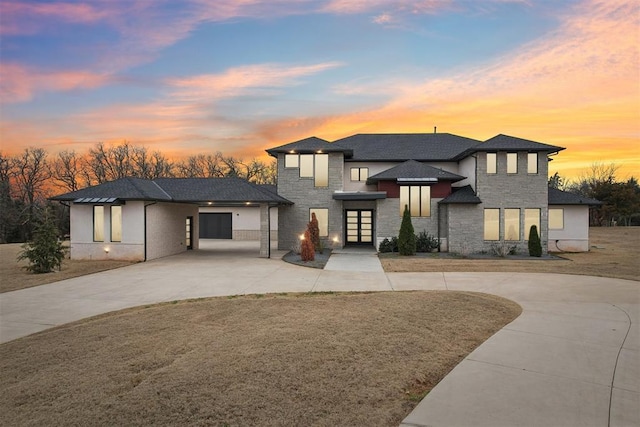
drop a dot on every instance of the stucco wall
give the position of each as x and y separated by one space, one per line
166 232
130 248
245 221
574 237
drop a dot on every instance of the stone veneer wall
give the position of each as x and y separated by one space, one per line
388 220
293 220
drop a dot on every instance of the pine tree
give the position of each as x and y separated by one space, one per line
45 252
535 247
407 238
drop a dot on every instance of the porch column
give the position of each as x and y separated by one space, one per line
264 230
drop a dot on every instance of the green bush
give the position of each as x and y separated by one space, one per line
389 245
426 242
535 247
407 238
45 252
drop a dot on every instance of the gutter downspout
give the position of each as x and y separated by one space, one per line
269 231
439 220
145 228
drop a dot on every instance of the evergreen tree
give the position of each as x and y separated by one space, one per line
535 247
307 251
407 238
314 232
45 252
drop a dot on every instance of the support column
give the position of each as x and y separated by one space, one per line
264 231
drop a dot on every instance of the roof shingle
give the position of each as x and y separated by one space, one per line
413 169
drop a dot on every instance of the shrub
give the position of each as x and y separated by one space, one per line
426 242
407 238
535 247
307 252
45 252
501 249
314 232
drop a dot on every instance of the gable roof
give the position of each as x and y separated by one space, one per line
308 146
186 190
559 197
412 169
404 146
511 143
462 195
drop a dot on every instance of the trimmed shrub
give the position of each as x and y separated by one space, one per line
407 238
45 252
426 242
307 251
535 247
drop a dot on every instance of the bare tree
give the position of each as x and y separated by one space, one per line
66 170
32 174
202 166
8 214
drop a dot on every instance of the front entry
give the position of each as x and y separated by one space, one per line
359 226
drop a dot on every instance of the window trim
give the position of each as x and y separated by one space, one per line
509 155
111 217
96 224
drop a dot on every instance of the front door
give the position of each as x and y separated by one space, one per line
359 226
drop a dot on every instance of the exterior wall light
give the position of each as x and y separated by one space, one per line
106 250
301 237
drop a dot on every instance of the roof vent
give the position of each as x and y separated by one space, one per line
435 128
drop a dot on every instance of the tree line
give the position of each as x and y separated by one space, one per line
27 179
620 198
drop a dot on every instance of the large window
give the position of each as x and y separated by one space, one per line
322 215
311 166
98 223
492 224
512 162
306 165
321 170
116 223
512 224
418 198
291 161
556 219
532 163
359 174
531 217
492 163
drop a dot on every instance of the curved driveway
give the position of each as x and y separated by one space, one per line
571 359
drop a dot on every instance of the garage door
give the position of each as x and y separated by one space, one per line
215 226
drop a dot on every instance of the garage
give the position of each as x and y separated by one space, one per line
216 225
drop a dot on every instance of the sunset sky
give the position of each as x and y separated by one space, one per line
198 76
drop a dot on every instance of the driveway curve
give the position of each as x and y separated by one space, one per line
571 359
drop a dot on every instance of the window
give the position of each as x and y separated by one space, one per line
306 165
418 198
532 163
359 174
116 223
512 162
98 223
556 219
322 215
512 224
492 224
291 161
492 163
321 170
531 217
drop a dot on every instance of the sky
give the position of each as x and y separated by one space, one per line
201 76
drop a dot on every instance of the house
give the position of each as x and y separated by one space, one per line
471 195
569 221
139 219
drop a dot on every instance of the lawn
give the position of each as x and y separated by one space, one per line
614 253
313 359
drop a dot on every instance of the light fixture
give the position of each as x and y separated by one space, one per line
106 250
210 203
301 237
335 239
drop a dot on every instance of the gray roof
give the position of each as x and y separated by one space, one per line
400 147
412 169
559 197
309 145
511 143
461 195
193 190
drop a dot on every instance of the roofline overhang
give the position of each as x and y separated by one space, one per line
359 195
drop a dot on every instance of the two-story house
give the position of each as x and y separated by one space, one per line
468 193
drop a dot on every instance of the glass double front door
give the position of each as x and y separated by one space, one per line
359 227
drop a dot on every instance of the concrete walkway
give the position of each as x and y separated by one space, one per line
571 359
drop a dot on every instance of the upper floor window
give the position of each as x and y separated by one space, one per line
306 165
98 223
556 218
492 163
512 162
532 163
314 166
291 161
359 174
116 223
417 198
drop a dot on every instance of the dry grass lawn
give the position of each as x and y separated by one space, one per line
614 253
319 359
13 276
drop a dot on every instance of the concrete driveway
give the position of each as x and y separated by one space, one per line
571 359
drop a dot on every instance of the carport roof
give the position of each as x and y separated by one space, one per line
181 190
